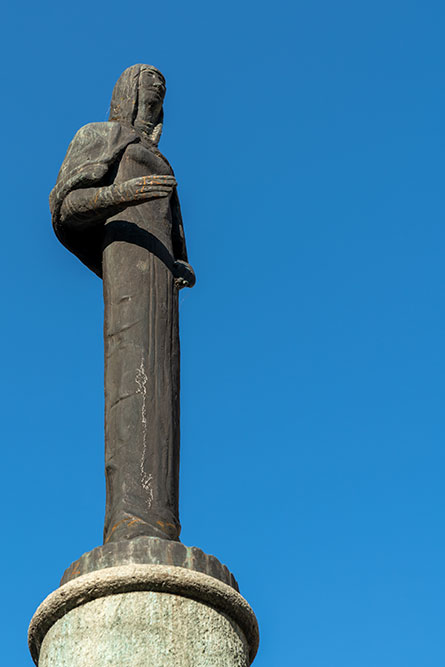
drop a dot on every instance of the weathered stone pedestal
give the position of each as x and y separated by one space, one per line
144 615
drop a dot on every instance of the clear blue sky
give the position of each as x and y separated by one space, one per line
308 142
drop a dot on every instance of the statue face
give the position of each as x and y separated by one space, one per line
151 96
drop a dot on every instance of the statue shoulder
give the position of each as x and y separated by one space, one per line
102 128
109 135
93 128
94 148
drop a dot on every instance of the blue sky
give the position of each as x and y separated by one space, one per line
308 140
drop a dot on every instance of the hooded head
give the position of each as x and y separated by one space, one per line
137 100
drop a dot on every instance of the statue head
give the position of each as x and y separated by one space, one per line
137 100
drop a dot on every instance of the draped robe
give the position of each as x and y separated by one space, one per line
134 251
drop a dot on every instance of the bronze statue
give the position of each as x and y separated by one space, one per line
116 207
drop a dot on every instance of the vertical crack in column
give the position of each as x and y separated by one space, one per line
146 478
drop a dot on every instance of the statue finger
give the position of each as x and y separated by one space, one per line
159 192
154 187
163 179
160 188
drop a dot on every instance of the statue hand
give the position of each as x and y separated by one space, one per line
183 274
144 188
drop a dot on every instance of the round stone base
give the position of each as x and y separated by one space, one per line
140 615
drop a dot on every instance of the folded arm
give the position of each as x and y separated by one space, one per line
91 206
